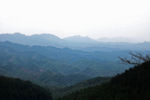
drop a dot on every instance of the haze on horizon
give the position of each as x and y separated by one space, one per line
93 18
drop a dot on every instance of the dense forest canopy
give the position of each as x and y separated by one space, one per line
133 84
16 89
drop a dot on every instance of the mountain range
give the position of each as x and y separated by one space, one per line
56 66
73 42
56 61
64 65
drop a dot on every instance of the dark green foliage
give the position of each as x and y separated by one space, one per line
131 85
59 92
16 89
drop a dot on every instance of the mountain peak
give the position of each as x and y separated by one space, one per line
46 36
80 39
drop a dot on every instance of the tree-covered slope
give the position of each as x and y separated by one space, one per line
133 84
16 89
47 65
64 61
27 63
60 92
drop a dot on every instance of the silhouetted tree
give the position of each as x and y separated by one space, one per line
135 58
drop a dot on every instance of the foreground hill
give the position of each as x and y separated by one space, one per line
16 89
131 85
60 92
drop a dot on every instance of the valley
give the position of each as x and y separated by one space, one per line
65 68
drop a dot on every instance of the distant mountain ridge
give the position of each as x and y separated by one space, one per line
41 39
80 39
118 39
74 42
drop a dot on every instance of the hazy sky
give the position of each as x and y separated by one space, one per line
94 18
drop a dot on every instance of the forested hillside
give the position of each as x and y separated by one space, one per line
60 92
62 70
16 89
133 84
54 66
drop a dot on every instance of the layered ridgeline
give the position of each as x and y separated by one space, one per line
48 65
30 63
16 89
133 84
75 42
